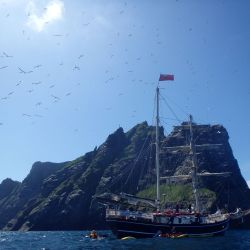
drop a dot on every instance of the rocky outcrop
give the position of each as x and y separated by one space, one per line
214 154
60 196
7 186
24 194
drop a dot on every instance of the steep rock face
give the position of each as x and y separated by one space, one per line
214 154
22 195
31 185
7 186
60 196
61 199
71 199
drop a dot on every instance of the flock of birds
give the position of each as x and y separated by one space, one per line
54 97
21 70
129 67
24 71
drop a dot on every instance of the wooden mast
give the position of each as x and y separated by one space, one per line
194 167
157 161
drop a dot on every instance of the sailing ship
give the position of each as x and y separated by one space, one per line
140 224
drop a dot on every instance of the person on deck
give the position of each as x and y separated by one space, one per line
177 208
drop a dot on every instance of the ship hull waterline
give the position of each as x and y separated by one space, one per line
124 228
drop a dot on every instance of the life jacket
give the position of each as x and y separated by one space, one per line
93 235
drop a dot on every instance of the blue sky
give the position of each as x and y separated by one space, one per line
72 72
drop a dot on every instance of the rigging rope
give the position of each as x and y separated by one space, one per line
178 106
139 155
149 160
171 110
131 168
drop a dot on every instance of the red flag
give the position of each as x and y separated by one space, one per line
166 77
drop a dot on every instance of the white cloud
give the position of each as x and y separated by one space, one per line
248 183
52 12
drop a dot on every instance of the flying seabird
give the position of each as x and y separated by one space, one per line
76 67
24 72
18 83
55 97
6 55
27 115
37 66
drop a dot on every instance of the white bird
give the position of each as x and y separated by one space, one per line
76 67
37 66
6 55
24 72
26 115
55 97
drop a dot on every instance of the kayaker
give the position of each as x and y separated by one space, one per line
93 234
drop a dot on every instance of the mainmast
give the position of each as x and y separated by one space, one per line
163 77
157 162
194 167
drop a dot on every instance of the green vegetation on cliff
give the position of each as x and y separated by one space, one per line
181 194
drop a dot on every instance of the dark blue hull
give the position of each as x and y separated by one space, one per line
122 228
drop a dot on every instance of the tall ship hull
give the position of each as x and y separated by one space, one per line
157 224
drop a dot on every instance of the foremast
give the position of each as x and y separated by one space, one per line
194 167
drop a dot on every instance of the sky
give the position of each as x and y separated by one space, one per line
72 72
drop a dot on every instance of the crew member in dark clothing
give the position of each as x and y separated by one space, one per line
177 208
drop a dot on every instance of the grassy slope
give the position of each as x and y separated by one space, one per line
181 194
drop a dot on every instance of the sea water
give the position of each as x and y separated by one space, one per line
233 240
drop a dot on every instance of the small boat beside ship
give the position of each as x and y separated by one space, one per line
240 219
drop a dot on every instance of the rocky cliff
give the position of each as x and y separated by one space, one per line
60 196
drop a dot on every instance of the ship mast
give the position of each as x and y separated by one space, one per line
194 167
157 161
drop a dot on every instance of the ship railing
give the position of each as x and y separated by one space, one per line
127 214
179 212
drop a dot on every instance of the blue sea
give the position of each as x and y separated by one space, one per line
233 240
